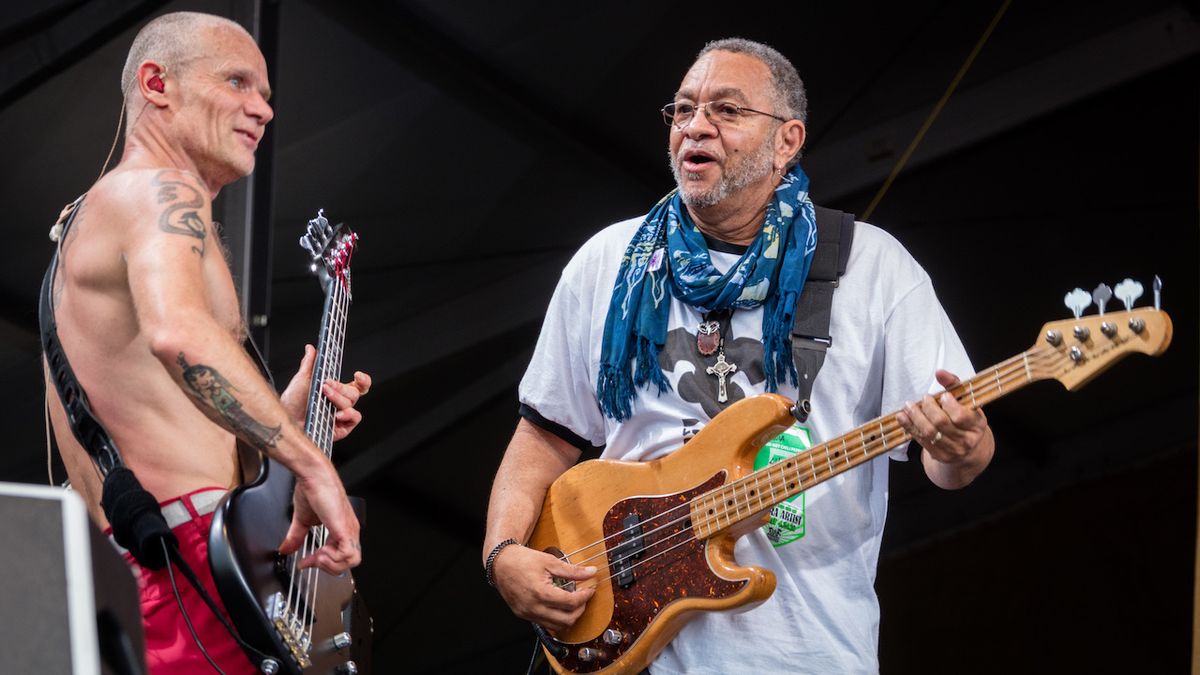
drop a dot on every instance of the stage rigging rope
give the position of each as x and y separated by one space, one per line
937 110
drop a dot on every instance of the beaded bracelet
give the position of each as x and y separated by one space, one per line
489 571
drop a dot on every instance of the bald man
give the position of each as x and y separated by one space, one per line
148 315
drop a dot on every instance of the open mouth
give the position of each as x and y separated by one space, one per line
697 160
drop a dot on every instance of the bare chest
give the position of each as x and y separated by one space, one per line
223 296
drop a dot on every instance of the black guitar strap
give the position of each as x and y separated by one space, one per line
810 331
87 429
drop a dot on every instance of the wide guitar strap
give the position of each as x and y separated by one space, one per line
810 331
87 429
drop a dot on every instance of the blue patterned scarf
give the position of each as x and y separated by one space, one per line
668 248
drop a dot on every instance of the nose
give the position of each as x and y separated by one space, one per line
259 109
699 126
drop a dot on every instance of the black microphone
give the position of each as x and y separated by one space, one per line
137 521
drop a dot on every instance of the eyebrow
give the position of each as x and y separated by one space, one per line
722 93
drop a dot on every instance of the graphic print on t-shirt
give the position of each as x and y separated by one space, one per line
789 517
700 387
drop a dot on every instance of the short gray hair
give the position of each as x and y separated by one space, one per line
790 97
789 89
170 39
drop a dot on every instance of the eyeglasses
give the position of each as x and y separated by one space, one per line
718 112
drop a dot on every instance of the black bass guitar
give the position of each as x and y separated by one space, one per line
307 622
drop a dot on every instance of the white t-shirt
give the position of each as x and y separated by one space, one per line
889 336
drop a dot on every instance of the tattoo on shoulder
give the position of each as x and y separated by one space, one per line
182 199
211 388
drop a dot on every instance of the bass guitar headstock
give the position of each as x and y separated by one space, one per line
330 248
1073 351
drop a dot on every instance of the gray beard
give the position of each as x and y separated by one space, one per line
751 169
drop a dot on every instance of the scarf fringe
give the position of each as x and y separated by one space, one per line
778 365
648 370
614 392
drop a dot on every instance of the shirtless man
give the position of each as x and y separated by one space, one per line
149 318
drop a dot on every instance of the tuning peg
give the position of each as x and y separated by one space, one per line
1101 295
1129 291
1157 293
307 244
1077 301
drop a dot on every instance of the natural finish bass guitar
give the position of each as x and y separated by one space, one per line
661 533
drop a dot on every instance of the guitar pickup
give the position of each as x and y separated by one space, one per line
630 549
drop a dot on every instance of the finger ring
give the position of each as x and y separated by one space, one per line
936 437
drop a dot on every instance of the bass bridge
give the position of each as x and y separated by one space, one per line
290 628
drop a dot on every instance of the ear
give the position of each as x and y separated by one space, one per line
789 140
152 83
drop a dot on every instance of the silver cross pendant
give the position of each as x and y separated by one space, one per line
721 369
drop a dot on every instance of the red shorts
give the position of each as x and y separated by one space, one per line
170 648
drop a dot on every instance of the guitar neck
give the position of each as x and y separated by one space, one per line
319 418
756 492
1072 351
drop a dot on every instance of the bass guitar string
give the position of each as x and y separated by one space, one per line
329 413
320 433
1014 368
995 385
810 455
325 442
298 621
321 420
883 443
301 577
688 532
332 370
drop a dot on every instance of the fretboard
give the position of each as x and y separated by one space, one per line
319 419
756 492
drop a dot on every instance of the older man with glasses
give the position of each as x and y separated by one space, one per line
661 322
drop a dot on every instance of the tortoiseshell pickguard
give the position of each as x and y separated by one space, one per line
671 566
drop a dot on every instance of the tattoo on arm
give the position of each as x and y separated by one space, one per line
180 216
210 388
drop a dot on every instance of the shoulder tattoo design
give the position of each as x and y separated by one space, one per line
211 388
181 215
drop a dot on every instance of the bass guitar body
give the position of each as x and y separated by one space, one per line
263 597
633 522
